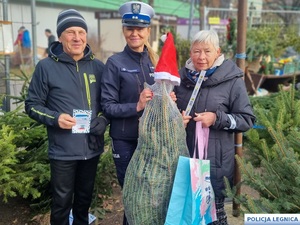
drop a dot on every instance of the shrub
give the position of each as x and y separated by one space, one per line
271 163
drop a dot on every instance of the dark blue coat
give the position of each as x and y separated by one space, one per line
123 80
59 84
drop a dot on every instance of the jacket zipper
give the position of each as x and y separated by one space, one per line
88 94
143 72
139 84
206 99
87 89
80 81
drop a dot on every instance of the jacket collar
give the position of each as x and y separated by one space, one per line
226 71
136 56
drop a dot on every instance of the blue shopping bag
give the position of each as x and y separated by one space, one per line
192 199
180 206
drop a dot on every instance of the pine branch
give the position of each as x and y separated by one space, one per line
274 152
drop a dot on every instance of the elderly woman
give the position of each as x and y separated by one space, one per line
222 104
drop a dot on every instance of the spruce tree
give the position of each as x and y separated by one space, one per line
271 164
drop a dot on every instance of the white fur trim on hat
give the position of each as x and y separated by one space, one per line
166 76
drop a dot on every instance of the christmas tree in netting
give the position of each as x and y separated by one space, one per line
151 171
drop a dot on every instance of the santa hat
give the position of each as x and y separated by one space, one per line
166 68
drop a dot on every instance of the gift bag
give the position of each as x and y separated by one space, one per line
192 200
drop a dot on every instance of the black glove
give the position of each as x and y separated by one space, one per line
97 129
95 142
98 125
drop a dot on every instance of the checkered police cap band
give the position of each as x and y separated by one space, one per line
69 18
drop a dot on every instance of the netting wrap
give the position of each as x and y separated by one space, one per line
150 173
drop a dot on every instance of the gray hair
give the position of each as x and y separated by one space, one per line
206 36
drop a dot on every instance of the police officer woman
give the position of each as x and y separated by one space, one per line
123 93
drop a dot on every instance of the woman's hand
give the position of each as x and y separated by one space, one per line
185 118
173 96
145 96
207 118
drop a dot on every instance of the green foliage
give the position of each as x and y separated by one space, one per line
24 147
271 165
183 50
280 112
25 174
266 67
289 37
266 40
8 158
22 77
24 164
105 179
262 41
231 31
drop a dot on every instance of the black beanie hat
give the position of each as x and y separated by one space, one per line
69 18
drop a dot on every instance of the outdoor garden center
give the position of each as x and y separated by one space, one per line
266 48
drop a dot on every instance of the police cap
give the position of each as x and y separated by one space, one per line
136 14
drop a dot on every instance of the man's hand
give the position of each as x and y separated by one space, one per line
95 142
98 127
65 121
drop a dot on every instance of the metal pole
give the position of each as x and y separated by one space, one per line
205 18
191 19
202 14
6 103
34 36
251 8
99 38
241 48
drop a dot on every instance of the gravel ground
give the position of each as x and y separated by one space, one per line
17 212
232 220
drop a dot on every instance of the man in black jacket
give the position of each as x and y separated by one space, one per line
64 94
50 38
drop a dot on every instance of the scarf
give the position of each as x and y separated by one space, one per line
193 74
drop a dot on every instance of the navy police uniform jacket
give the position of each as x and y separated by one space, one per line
123 80
223 93
60 84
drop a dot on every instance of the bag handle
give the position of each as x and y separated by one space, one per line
201 141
